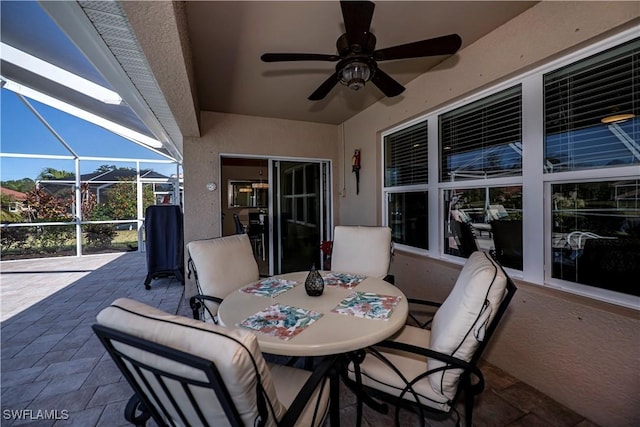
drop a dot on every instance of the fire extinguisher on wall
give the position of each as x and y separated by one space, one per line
355 167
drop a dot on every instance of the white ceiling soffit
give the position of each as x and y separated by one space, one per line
101 31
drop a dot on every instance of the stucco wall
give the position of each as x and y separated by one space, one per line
245 135
580 352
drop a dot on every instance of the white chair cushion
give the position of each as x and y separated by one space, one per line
378 375
288 382
226 348
361 250
460 322
223 265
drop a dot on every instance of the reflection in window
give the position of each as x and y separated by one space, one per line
483 139
589 112
300 185
487 219
405 156
596 234
408 218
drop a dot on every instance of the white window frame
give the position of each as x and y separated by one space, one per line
536 215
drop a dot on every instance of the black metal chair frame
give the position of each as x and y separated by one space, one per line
141 407
507 240
471 379
466 238
197 302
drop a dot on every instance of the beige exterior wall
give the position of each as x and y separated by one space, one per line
242 135
580 352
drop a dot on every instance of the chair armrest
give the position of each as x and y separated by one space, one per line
133 406
320 373
196 302
452 362
422 324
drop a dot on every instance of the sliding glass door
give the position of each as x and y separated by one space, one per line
301 213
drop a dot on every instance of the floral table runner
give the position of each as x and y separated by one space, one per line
345 280
270 287
368 304
280 320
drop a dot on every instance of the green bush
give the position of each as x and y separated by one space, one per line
99 235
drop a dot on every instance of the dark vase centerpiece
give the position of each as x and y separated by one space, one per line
314 284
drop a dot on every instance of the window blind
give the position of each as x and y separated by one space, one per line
576 100
483 139
406 156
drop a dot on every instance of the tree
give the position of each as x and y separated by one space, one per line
47 206
22 185
52 173
106 168
122 199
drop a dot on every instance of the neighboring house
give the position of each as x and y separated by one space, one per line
17 200
100 182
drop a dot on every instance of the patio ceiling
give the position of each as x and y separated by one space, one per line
170 60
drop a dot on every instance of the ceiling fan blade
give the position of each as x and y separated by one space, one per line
326 86
357 20
386 84
445 45
280 57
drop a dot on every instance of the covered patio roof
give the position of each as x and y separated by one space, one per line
42 62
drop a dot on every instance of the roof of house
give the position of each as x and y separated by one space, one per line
18 195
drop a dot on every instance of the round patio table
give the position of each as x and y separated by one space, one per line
333 333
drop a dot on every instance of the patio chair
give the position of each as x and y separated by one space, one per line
238 224
427 370
362 250
507 240
220 266
611 264
185 372
465 239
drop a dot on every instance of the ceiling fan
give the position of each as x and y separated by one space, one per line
357 58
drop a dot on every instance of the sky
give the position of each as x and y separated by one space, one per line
22 132
25 25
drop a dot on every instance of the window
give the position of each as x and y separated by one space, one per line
561 142
596 234
405 154
407 218
406 167
482 139
487 219
299 194
589 109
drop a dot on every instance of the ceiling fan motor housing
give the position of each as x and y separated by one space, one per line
345 48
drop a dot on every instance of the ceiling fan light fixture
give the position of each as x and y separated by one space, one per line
617 118
355 74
